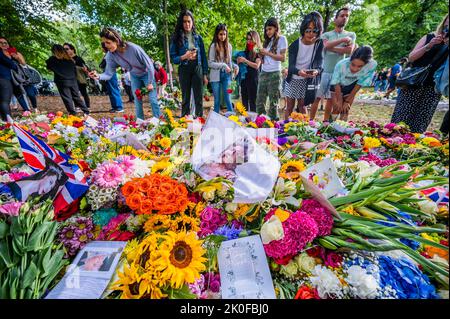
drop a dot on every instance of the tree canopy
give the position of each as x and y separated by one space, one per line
391 27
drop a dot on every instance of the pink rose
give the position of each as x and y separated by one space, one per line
207 214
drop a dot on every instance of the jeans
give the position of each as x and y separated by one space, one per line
32 92
112 85
138 82
6 92
224 83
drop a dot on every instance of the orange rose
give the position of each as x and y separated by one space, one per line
134 201
146 206
165 188
180 190
59 113
144 185
128 189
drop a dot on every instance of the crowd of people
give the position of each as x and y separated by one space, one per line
327 66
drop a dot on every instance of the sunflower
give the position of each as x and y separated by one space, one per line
241 108
185 223
181 258
157 222
162 167
128 282
291 170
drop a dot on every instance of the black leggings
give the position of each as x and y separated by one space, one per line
6 92
191 77
249 87
84 93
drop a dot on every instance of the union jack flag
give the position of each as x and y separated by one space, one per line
437 194
34 151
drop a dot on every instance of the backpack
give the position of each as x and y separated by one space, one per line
20 76
33 75
441 79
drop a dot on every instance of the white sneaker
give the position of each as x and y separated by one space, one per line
120 111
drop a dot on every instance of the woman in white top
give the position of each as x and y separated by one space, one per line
273 53
220 64
305 62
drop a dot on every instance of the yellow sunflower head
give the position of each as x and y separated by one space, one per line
181 259
162 167
291 170
165 142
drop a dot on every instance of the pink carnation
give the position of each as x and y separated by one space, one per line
126 163
108 175
11 209
299 229
322 216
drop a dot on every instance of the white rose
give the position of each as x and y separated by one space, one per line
428 206
289 270
272 230
231 207
365 285
305 263
209 196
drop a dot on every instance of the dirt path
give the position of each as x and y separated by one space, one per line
100 107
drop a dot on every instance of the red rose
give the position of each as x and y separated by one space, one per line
307 293
444 242
283 261
229 91
77 124
316 252
68 211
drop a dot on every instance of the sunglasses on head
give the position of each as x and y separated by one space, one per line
312 30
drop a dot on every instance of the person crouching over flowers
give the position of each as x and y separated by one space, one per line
349 76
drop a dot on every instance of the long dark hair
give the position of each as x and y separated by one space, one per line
363 53
272 22
257 40
178 35
314 17
113 35
218 44
59 52
71 47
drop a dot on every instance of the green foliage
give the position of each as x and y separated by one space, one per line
391 27
29 260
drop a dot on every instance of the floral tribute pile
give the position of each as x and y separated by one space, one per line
390 241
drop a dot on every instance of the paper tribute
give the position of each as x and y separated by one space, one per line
226 149
244 271
91 271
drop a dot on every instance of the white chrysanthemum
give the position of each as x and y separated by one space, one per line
326 282
362 284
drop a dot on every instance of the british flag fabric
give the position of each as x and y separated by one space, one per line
34 151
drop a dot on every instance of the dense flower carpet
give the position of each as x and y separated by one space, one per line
384 235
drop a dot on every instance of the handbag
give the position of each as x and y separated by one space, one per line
312 84
415 76
81 76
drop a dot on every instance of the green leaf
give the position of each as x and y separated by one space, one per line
36 238
5 253
182 293
30 276
4 229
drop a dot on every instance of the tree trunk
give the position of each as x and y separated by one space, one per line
167 46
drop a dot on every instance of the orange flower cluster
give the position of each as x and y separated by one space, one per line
155 194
